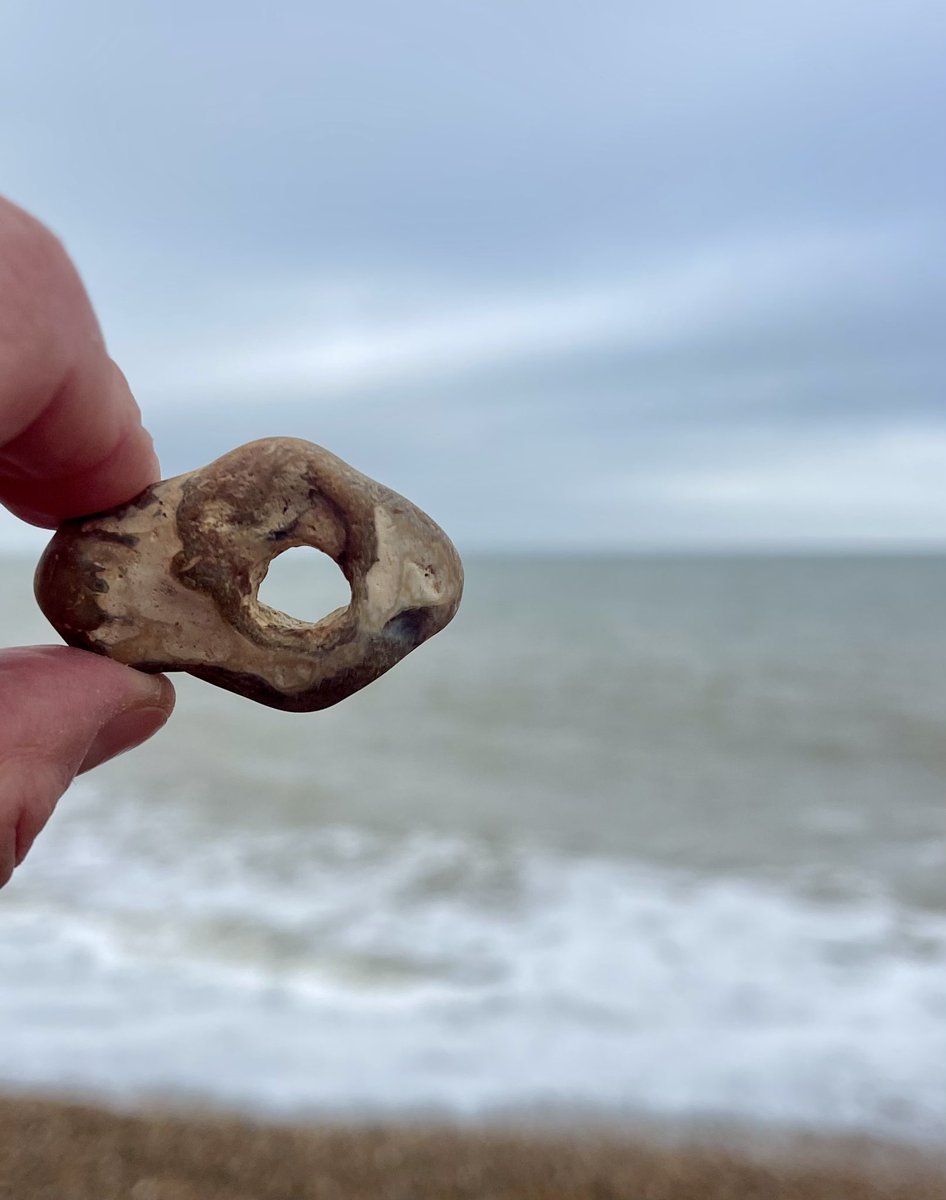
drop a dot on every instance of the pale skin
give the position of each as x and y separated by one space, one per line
71 443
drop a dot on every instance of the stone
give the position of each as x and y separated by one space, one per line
169 581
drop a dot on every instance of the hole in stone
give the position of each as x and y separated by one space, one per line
304 583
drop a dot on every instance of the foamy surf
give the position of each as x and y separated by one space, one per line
340 969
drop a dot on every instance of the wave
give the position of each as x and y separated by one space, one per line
341 968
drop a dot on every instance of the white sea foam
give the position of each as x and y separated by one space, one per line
338 968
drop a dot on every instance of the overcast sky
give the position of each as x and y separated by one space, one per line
595 275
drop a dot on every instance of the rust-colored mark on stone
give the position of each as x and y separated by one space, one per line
170 581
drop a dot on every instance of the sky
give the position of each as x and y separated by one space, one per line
597 276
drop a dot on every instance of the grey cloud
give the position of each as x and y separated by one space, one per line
333 180
464 132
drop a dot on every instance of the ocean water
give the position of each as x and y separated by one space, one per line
633 836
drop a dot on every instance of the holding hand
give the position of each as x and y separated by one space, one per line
71 443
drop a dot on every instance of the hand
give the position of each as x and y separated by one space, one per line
71 443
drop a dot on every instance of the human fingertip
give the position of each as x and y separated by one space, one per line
124 732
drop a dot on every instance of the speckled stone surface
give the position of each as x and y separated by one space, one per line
169 582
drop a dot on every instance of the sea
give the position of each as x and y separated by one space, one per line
654 838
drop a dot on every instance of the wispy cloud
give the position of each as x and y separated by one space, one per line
861 488
621 277
400 336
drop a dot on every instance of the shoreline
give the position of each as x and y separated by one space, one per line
71 1149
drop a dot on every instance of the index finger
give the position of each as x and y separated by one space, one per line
71 438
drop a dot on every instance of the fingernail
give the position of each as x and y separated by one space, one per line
123 732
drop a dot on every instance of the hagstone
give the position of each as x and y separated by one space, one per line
169 581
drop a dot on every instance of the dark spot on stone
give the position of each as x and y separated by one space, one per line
409 626
118 539
280 535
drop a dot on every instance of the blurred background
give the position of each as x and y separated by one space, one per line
645 306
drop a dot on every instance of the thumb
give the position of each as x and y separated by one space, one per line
63 711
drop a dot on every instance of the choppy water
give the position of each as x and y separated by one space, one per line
638 835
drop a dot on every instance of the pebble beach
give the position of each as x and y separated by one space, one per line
52 1150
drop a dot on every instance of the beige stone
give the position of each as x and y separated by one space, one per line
169 582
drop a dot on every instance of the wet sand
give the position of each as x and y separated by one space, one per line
53 1150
